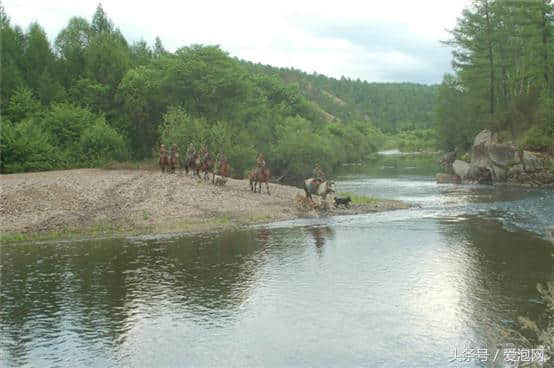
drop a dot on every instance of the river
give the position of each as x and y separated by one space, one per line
407 288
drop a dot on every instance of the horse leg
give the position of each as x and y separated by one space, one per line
267 187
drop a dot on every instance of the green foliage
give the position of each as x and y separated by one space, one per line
413 140
536 138
22 105
66 122
88 94
504 63
298 148
97 97
26 147
12 43
72 43
180 128
101 143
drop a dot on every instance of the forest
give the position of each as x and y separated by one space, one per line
91 98
503 59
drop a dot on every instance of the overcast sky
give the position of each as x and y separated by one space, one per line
377 41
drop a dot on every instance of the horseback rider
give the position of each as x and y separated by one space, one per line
163 150
204 154
174 151
260 162
221 159
319 176
190 153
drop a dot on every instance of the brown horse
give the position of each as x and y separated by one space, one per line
193 163
174 162
258 176
164 161
223 170
207 165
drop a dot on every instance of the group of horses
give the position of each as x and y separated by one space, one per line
204 163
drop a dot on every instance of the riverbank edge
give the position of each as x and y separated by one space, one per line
190 226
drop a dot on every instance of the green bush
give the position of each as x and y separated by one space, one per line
101 143
22 105
66 123
26 147
536 138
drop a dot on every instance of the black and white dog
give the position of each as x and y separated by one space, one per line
344 201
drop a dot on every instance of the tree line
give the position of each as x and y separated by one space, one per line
503 60
392 107
91 97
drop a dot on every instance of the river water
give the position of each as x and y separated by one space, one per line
407 288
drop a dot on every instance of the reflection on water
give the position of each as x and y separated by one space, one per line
396 289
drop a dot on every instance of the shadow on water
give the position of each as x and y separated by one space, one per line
92 293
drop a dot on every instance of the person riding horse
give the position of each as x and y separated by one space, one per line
319 176
174 150
260 162
221 159
163 150
164 158
174 157
190 154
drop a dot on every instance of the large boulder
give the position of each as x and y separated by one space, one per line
478 175
480 149
503 155
532 162
496 162
446 162
461 168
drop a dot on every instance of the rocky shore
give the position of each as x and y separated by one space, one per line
94 201
495 162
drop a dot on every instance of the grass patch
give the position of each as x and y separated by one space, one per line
104 228
358 199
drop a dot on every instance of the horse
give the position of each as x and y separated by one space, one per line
260 175
223 170
207 165
164 161
174 162
194 163
322 189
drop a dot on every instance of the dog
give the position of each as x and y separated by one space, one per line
344 201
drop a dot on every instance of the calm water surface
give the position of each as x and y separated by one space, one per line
396 289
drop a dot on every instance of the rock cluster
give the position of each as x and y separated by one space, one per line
495 162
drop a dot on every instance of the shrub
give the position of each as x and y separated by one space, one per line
536 138
26 147
101 143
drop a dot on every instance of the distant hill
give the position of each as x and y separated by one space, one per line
392 107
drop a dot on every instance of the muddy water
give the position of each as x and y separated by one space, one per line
395 289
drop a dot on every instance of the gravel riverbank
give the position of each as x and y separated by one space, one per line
87 201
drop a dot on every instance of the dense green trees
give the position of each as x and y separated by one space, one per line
91 98
503 58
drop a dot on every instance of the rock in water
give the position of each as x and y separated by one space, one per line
479 151
461 168
447 179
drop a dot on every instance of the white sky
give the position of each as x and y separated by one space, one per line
381 41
